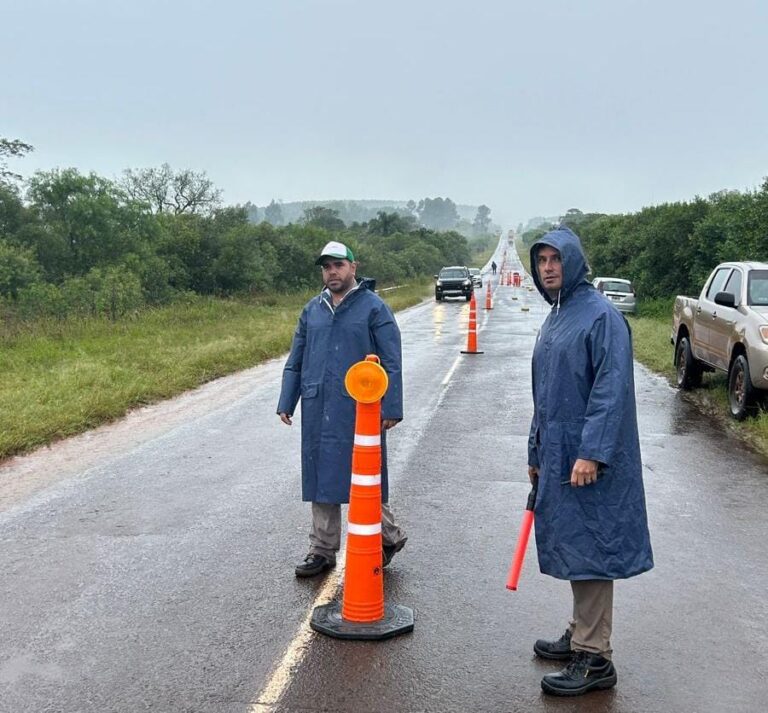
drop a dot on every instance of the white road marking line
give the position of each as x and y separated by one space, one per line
448 376
281 677
446 380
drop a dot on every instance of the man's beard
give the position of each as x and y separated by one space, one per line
342 286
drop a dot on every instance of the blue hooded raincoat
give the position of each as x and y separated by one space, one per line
584 407
326 343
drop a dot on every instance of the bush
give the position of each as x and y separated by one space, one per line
116 291
18 269
39 300
658 308
111 292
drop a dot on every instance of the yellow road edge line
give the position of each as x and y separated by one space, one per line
280 679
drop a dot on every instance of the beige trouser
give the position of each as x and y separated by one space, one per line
592 621
325 535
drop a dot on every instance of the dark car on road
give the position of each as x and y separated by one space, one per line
454 281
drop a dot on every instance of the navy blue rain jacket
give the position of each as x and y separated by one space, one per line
584 407
325 345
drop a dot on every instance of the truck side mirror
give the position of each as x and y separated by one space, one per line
435 276
725 299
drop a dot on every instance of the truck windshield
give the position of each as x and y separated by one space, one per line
757 292
452 274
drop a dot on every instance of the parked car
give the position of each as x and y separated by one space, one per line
619 291
726 329
477 276
454 281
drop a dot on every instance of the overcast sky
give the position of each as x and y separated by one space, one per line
531 107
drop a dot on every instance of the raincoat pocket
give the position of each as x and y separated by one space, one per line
565 437
309 391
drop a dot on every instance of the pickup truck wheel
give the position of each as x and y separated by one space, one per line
469 297
688 368
741 394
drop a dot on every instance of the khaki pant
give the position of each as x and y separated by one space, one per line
592 621
325 535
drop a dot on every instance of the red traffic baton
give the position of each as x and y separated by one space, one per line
522 540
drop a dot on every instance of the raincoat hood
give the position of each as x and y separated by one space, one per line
575 267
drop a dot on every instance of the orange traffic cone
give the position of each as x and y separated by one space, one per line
488 303
363 613
472 334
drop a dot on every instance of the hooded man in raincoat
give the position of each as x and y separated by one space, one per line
337 329
584 453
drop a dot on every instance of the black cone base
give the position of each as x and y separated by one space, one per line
396 620
466 352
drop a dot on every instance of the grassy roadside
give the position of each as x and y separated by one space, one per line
481 259
63 378
653 349
524 253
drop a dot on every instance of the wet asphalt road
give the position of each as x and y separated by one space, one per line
150 565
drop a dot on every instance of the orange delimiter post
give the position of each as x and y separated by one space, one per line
472 333
363 582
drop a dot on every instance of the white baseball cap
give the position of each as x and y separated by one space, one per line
337 250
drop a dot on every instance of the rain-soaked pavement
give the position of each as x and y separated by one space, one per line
149 565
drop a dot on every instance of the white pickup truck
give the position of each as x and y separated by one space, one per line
726 329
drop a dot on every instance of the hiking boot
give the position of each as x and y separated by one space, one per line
559 650
585 672
388 551
313 565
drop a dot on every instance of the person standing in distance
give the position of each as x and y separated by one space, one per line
337 329
591 522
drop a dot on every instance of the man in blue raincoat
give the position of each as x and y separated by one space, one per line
346 322
584 453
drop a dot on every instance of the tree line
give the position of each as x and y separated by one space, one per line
670 249
434 213
81 244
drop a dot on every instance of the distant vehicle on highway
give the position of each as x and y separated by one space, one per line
619 291
726 329
454 281
477 276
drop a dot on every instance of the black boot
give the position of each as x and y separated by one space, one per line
313 565
389 551
559 650
585 672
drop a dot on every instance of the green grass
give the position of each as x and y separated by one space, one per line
63 378
650 336
524 253
480 259
654 350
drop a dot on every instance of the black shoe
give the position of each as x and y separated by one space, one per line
313 564
388 551
559 650
585 672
